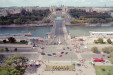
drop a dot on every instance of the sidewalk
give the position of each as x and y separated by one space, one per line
85 69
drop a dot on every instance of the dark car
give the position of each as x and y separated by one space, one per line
66 52
67 47
108 56
63 48
62 52
42 48
54 53
42 53
54 43
103 55
49 54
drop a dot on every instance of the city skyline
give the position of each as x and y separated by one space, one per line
43 3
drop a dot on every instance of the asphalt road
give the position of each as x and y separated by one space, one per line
58 34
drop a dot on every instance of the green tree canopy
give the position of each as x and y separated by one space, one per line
11 39
94 49
100 40
109 41
15 60
108 49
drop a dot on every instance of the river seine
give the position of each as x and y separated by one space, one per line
42 31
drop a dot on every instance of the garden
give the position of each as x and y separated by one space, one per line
104 70
60 68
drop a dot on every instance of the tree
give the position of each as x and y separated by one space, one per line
108 19
23 12
95 41
109 41
107 49
112 43
12 40
100 40
16 59
13 65
111 57
2 57
6 49
15 49
18 21
1 50
90 17
4 41
94 49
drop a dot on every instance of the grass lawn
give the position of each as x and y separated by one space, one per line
71 67
104 70
50 67
3 72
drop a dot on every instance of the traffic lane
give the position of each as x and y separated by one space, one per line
59 39
59 34
90 56
65 57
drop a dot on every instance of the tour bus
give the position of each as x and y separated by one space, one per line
98 60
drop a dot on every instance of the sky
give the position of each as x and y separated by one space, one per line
46 3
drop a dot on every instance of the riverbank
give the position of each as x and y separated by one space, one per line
51 24
89 24
27 25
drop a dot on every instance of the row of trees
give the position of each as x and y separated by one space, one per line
13 40
13 65
6 49
111 57
81 16
101 41
24 17
92 20
108 49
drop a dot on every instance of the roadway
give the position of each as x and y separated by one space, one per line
58 34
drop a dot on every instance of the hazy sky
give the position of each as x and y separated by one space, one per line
8 3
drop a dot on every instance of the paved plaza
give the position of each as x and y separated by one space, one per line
85 69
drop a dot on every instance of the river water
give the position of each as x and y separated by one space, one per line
42 31
35 31
84 30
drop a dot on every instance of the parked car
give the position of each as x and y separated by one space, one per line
67 47
42 48
62 52
54 53
66 52
49 54
42 53
63 48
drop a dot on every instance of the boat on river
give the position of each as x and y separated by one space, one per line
28 34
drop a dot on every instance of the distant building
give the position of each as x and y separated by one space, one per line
15 10
101 34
